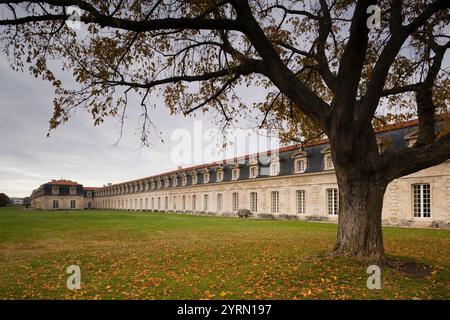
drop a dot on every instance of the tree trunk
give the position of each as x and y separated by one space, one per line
360 206
361 191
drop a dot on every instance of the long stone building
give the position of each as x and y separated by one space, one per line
295 182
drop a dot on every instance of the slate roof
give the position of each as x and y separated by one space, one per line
394 134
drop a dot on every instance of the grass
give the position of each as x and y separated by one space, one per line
125 255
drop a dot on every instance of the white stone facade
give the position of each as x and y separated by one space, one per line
398 206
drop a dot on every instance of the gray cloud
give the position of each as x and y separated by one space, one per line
78 150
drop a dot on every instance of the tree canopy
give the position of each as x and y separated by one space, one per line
165 46
4 200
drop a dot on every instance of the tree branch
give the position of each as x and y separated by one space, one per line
104 20
387 56
409 160
277 71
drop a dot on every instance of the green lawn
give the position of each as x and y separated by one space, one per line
124 255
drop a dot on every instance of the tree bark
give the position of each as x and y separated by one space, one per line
359 230
361 190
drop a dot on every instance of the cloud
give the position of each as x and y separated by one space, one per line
77 151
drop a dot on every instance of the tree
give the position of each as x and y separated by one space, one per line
325 72
4 200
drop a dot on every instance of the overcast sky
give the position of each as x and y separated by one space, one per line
77 150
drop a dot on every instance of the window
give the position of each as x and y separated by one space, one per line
55 191
219 176
55 204
72 204
135 204
73 191
206 178
300 201
174 202
274 168
89 205
194 179
411 142
175 181
329 165
89 194
235 201
194 200
253 172
205 202
166 203
275 196
184 180
300 165
421 200
159 203
146 203
253 202
166 182
333 201
235 174
159 184
219 202
412 137
183 203
153 203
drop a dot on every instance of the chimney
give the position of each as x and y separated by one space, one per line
179 167
109 184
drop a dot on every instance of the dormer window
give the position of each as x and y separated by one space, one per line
159 184
253 171
235 174
274 168
175 181
380 147
300 165
184 180
73 191
253 168
329 165
219 176
55 191
205 177
166 182
327 159
300 161
411 138
194 179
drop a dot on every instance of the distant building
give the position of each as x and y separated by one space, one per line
16 201
62 195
